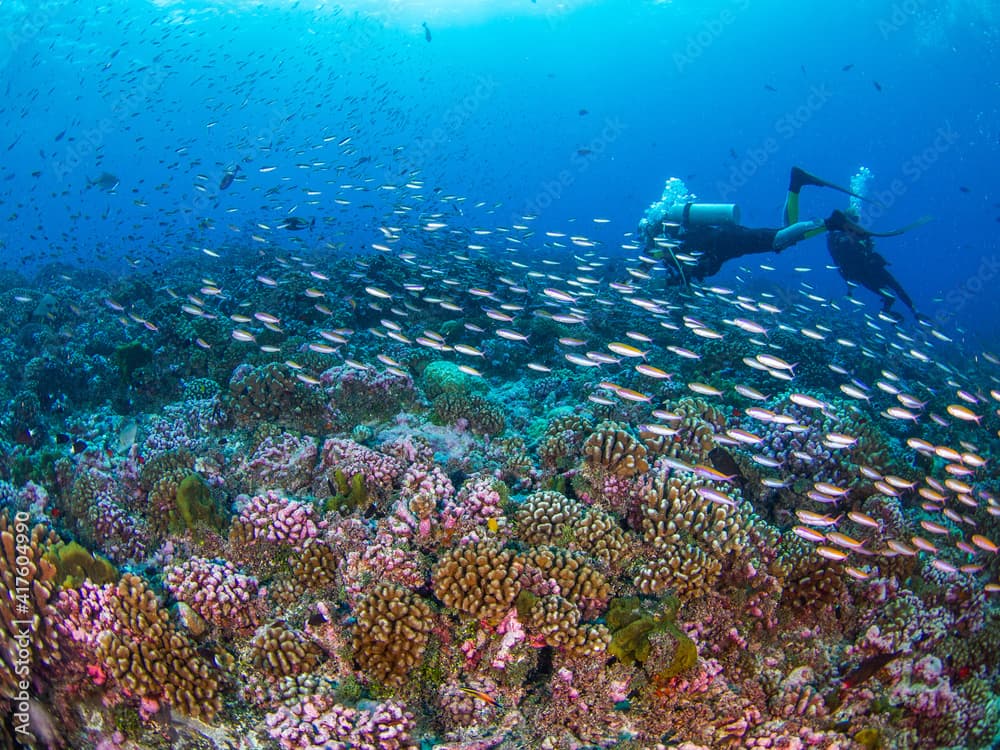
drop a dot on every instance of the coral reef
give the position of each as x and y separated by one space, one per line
391 633
128 636
27 596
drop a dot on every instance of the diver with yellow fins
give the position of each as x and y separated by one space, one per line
695 239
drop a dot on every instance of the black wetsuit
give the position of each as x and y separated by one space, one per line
858 263
714 245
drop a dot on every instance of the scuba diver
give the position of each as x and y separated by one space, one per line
709 234
853 251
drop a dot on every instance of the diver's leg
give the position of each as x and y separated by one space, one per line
797 179
900 292
790 213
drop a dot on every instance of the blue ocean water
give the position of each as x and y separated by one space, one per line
296 300
727 95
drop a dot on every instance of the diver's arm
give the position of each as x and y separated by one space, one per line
797 232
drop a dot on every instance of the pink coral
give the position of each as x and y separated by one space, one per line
381 559
318 722
284 461
217 592
279 519
83 615
121 535
477 501
380 471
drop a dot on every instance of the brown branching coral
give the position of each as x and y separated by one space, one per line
391 633
573 578
563 442
813 582
696 425
599 535
163 464
27 588
687 572
483 417
315 567
150 658
480 580
557 620
280 651
611 449
544 517
549 517
674 513
694 539
272 393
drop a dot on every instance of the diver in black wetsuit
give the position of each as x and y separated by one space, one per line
853 250
705 236
695 240
712 246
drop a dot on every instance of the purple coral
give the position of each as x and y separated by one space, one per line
318 722
380 471
217 592
284 461
279 519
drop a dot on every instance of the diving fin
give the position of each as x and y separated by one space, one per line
896 232
800 178
838 220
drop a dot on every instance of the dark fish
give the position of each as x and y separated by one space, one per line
732 153
294 223
878 86
79 446
62 438
769 87
427 31
228 176
583 112
964 189
867 668
60 136
583 152
723 461
847 67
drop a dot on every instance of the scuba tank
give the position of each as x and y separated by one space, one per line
703 214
